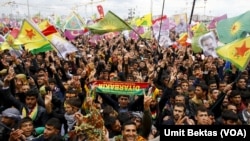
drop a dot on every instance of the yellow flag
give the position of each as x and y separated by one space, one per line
44 25
28 34
237 52
146 20
5 46
8 44
36 45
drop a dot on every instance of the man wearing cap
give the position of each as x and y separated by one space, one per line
9 120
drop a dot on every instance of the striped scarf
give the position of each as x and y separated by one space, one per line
32 114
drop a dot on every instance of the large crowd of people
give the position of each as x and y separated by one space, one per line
46 97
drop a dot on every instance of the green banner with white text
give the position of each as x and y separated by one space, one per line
121 88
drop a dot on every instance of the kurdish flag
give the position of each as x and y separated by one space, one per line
110 23
237 52
233 28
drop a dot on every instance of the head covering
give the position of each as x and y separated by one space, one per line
137 115
12 113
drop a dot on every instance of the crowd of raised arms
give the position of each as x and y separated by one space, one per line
46 97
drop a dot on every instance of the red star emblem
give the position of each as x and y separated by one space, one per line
240 51
30 34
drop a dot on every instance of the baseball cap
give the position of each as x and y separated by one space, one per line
11 113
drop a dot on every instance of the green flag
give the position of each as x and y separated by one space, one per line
233 28
74 22
109 23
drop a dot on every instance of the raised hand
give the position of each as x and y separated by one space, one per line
147 101
48 98
17 135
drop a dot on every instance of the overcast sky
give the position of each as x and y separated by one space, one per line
121 7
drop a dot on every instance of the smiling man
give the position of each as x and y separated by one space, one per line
129 133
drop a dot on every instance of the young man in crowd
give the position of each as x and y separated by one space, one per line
25 131
178 116
51 131
9 120
129 132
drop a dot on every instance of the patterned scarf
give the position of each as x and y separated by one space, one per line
153 114
70 121
32 113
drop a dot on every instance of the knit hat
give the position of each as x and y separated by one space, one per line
11 113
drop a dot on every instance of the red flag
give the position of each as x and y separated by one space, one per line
49 30
100 10
159 19
14 32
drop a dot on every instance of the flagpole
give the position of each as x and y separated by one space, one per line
161 23
28 6
192 11
151 8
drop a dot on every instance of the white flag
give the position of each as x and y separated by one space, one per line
62 46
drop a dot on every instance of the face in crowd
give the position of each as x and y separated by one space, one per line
123 101
129 132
